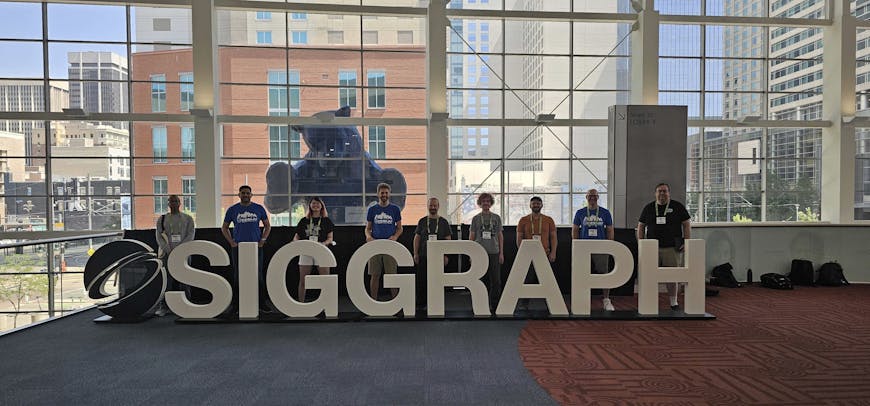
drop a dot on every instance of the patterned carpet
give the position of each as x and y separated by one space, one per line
808 346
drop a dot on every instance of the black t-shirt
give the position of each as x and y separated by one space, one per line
427 226
669 234
319 226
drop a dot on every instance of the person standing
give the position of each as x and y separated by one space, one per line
486 230
173 229
539 227
246 217
594 222
668 222
430 228
315 226
383 222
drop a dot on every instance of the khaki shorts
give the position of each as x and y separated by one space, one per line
670 256
306 260
382 263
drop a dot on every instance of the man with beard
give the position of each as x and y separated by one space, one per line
539 227
246 217
383 222
173 229
668 222
430 228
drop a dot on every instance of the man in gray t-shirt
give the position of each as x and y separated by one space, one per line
486 231
172 229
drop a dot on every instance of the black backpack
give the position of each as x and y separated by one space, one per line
776 281
722 276
802 272
831 274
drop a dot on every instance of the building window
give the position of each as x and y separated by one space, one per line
295 97
377 93
377 142
162 24
264 37
264 15
188 193
405 37
299 37
158 144
186 80
278 142
188 144
299 16
347 88
335 37
370 37
161 188
158 93
277 92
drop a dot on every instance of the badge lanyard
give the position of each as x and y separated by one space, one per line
667 206
311 226
540 225
588 212
437 224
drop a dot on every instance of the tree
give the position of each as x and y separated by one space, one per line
19 287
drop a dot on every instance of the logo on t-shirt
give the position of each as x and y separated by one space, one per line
383 218
246 217
593 221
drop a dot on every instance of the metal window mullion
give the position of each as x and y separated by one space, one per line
571 113
130 134
286 85
363 109
46 124
502 187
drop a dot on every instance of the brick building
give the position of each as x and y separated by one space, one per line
386 83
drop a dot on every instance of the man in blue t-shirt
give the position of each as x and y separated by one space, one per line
383 221
594 222
246 217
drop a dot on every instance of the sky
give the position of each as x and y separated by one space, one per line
65 22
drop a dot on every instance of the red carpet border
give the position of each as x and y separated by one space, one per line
809 346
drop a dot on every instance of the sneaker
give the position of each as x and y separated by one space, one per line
674 304
608 306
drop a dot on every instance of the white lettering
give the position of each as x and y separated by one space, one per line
437 280
220 289
582 279
531 252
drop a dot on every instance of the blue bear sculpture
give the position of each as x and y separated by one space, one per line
336 163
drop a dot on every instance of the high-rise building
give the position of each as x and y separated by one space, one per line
29 96
98 83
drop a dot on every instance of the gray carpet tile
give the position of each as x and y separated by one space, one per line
75 361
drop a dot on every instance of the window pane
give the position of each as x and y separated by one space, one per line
105 23
27 57
20 20
163 25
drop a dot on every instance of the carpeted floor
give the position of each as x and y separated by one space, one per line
73 361
809 346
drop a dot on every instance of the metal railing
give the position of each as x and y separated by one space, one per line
43 278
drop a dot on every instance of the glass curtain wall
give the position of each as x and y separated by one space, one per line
124 74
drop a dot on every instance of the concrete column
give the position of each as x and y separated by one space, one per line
645 56
838 141
207 131
436 102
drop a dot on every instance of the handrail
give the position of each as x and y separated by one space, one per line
61 239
